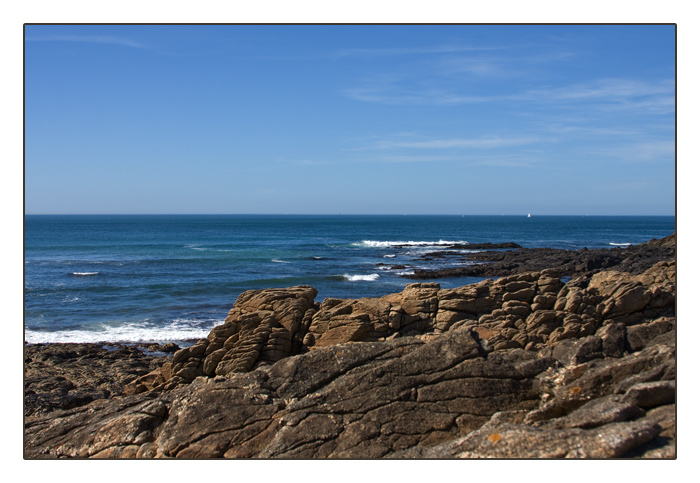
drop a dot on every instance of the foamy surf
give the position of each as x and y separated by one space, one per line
390 244
127 333
620 244
84 274
277 260
361 278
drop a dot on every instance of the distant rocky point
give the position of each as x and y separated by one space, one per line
470 246
634 259
525 366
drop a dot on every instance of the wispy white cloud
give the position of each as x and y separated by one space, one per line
310 162
388 51
605 89
642 151
95 39
504 161
608 95
476 143
664 104
588 130
509 161
382 95
603 95
652 97
395 94
415 159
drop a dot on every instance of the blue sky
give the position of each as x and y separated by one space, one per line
350 119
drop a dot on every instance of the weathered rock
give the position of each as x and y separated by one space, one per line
640 335
651 394
401 387
63 376
519 367
634 259
522 441
614 339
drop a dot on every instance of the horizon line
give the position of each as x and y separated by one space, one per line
330 214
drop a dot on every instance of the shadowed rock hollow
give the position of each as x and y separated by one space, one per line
521 367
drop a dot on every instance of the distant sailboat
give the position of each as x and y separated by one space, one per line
528 215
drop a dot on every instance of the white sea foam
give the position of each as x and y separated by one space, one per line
137 332
389 244
389 256
361 278
408 272
620 244
84 274
277 260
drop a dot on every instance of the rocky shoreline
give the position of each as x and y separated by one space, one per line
634 259
64 376
525 366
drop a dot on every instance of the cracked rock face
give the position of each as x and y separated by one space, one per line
529 311
521 367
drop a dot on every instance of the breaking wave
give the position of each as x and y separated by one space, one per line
361 278
176 330
390 244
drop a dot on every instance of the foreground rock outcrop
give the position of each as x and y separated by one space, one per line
525 366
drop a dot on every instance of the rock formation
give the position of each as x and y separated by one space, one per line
633 259
524 366
63 376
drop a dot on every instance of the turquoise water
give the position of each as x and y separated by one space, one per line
162 278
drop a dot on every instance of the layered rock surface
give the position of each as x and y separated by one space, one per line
523 366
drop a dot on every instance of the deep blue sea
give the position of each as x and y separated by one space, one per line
123 278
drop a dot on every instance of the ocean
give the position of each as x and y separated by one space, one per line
162 278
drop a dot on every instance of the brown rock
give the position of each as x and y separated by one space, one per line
427 380
651 394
